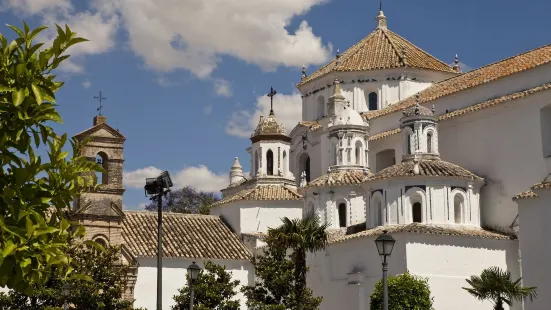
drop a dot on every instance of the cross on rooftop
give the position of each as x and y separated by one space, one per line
100 98
272 93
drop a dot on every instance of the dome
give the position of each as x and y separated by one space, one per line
269 126
418 110
351 117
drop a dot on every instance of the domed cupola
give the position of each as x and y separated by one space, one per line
423 188
348 134
269 128
419 127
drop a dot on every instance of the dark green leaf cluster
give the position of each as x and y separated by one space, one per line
214 289
100 284
187 200
405 292
35 192
282 268
497 286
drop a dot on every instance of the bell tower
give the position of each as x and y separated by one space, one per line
100 209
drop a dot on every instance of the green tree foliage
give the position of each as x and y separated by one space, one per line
405 292
32 242
103 288
497 286
213 290
187 200
301 236
274 287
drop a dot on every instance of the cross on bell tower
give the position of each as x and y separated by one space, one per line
271 94
100 98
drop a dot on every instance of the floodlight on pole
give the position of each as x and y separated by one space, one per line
157 188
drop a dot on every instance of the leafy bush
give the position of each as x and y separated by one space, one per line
405 292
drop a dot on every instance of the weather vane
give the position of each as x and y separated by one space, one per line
272 93
100 98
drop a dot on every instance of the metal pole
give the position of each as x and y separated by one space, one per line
160 248
385 285
191 296
65 306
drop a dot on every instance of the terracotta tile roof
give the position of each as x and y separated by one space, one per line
262 192
477 77
312 125
532 192
427 168
184 235
384 134
341 177
476 107
430 229
381 49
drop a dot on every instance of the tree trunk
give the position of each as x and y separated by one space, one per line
300 277
499 305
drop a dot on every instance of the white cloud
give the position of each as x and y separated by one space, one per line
222 88
200 178
86 84
31 7
287 108
192 34
164 82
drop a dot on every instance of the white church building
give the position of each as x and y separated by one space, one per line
454 165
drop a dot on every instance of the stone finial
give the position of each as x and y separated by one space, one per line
417 104
303 179
433 109
381 20
404 56
416 169
338 57
236 172
303 72
456 64
337 88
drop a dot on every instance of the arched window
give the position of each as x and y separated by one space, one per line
416 212
545 126
321 107
457 208
256 163
284 163
101 242
307 169
380 213
342 215
103 161
429 142
270 162
304 166
358 154
372 98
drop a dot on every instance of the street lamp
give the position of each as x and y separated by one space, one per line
156 188
385 244
65 291
193 273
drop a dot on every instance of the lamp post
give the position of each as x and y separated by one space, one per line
385 244
65 291
193 272
156 188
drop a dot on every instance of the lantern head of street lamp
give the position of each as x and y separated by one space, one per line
156 185
66 289
193 271
385 244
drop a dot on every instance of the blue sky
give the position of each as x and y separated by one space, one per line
184 78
